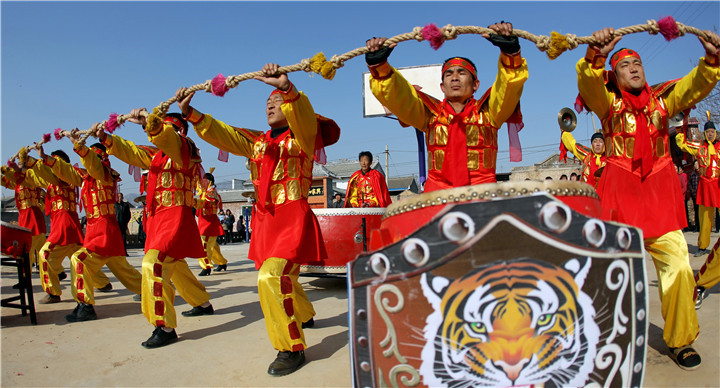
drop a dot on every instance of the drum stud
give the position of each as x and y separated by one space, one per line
363 341
474 194
555 216
640 341
457 226
639 287
594 232
638 367
362 314
365 366
641 314
379 264
416 252
624 238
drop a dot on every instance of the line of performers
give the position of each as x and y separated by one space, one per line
461 137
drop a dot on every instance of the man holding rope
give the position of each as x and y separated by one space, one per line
280 161
639 178
172 234
460 131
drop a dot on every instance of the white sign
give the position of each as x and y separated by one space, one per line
427 78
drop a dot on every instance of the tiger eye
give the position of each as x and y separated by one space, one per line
544 319
478 327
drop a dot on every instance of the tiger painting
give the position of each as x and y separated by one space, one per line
510 323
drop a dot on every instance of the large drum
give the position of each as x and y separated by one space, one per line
345 232
406 216
15 239
512 286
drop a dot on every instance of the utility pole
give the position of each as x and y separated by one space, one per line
387 168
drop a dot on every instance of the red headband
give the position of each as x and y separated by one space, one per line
459 62
175 121
624 53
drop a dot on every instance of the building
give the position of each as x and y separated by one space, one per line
550 167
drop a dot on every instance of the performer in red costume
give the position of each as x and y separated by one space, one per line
208 203
593 158
285 230
103 243
708 193
66 235
460 131
172 234
639 178
29 199
708 275
366 187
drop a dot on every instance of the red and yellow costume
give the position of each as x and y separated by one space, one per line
590 160
452 138
172 234
367 190
285 230
29 199
640 185
709 274
103 244
708 193
208 203
65 236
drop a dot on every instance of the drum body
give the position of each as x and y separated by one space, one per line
16 239
344 237
406 216
521 291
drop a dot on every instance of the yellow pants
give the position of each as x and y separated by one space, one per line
709 274
212 252
676 285
284 304
37 243
159 274
86 266
51 257
707 218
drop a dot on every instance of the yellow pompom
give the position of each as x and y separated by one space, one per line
23 155
154 124
317 62
558 45
328 70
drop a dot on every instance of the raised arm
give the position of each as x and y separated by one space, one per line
511 76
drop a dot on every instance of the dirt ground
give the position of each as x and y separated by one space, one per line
230 348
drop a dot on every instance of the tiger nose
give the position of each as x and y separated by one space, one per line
513 371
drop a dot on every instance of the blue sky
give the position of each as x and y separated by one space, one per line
71 64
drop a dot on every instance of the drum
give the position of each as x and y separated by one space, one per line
344 237
16 240
406 216
500 285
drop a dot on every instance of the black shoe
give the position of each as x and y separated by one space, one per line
686 357
701 252
700 291
62 275
107 288
221 267
286 363
308 324
82 312
137 297
198 310
49 299
160 338
205 272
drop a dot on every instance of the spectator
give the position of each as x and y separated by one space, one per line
693 181
229 222
337 202
222 239
122 213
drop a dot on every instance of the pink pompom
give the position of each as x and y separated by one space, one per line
668 28
46 138
432 34
58 136
218 85
112 123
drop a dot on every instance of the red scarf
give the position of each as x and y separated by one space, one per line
455 164
642 152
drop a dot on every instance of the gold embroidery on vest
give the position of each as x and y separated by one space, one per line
293 168
660 147
441 135
293 148
305 183
489 158
473 160
21 194
618 145
103 209
438 157
430 135
179 198
629 122
657 119
430 160
101 196
629 147
96 212
166 198
190 201
293 190
279 171
179 180
617 125
165 179
473 135
307 167
277 193
94 198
